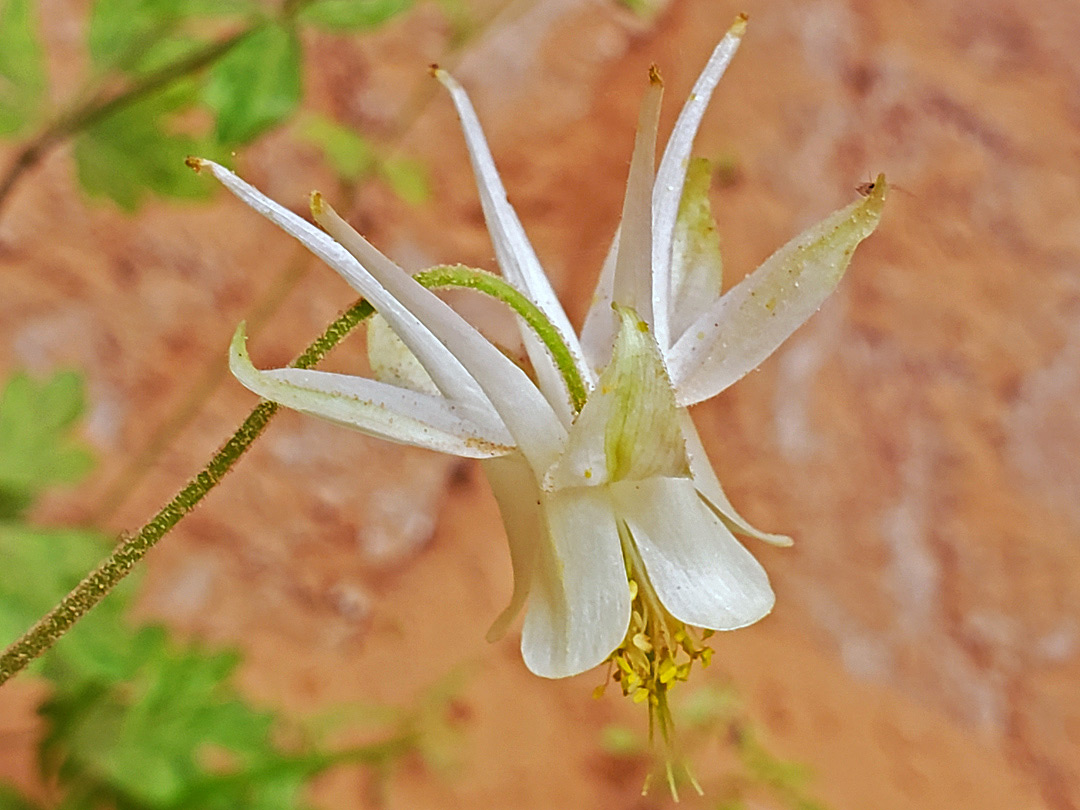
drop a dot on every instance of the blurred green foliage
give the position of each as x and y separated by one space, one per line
168 79
36 448
136 719
355 158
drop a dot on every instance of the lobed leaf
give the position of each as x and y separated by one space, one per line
36 449
138 35
22 67
131 153
256 85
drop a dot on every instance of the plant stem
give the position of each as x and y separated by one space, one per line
98 107
458 275
133 548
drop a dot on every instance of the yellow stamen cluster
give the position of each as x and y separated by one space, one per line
658 652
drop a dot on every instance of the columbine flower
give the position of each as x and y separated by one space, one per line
620 534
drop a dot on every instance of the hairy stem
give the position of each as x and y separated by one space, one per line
133 548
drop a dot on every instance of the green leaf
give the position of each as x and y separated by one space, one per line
256 85
147 738
121 31
408 178
130 154
139 35
36 448
349 153
352 15
22 67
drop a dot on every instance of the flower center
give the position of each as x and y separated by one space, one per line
658 652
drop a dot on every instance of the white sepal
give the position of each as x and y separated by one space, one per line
671 175
708 485
519 498
513 251
448 374
528 416
759 313
371 407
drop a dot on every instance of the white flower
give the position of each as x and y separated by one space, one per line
620 534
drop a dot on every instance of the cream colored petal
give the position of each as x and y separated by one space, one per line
518 496
753 318
579 606
629 427
672 172
369 406
702 574
708 485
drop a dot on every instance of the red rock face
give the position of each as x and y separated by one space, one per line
920 437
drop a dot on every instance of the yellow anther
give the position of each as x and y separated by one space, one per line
668 670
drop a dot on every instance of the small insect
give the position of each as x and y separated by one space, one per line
867 187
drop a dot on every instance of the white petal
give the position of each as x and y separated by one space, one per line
391 361
701 573
633 265
708 486
579 607
754 317
518 496
598 333
514 253
374 408
671 175
528 416
448 374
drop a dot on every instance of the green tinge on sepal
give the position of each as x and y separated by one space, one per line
742 328
629 428
642 437
697 268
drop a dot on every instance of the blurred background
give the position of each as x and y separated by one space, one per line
919 437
